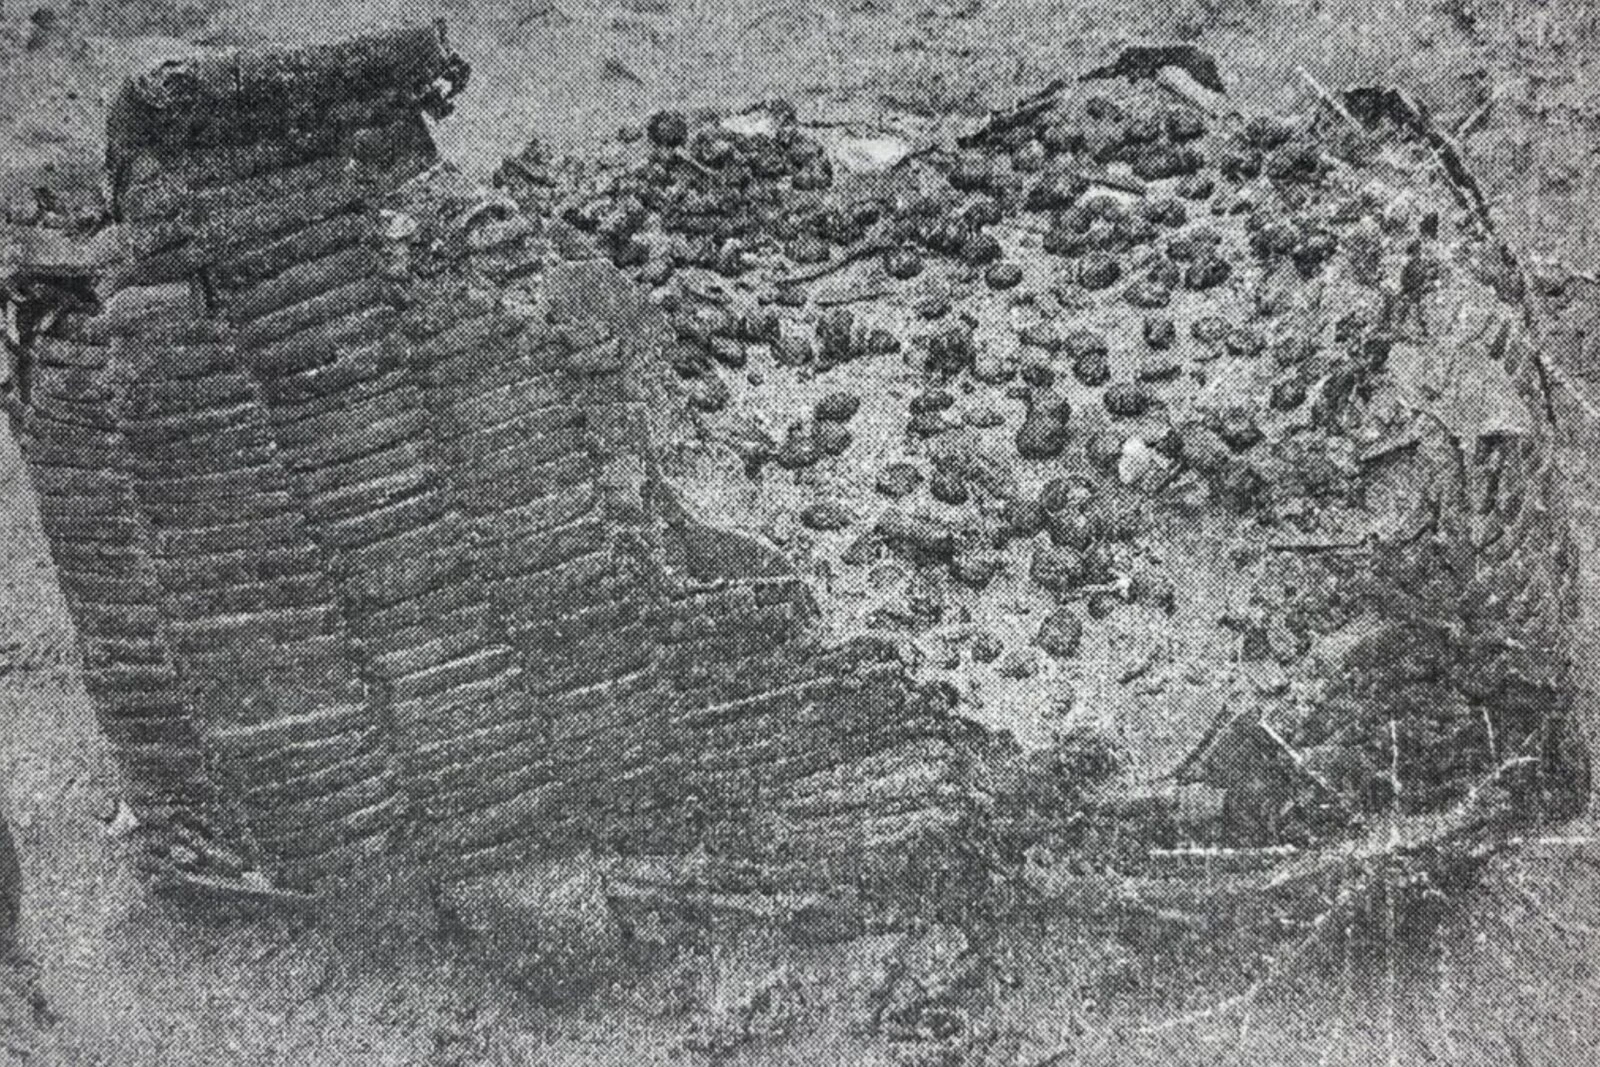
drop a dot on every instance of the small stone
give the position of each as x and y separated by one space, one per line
1038 374
837 407
1126 400
976 568
1183 125
1041 437
921 534
928 424
1098 270
832 439
1237 428
825 515
1055 192
728 352
1243 341
1003 276
1101 603
986 647
1166 211
898 480
981 249
1158 366
1148 294
1059 569
881 342
799 449
1104 447
1092 368
947 487
1060 634
1114 514
932 400
1202 449
1140 464
1019 663
933 303
902 263
1160 332
656 271
669 129
792 351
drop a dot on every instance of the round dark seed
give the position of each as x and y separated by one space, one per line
669 129
1002 276
932 400
837 407
948 487
1160 332
1098 270
898 480
1127 400
1184 125
902 263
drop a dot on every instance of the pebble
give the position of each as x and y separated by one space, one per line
808 248
1104 447
728 352
898 480
932 400
1158 366
902 263
825 515
799 449
1237 428
1126 400
1003 276
918 533
1140 464
832 439
1098 270
1195 187
981 249
1202 449
947 487
1160 332
1060 634
1057 568
837 407
1023 518
1019 663
669 129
